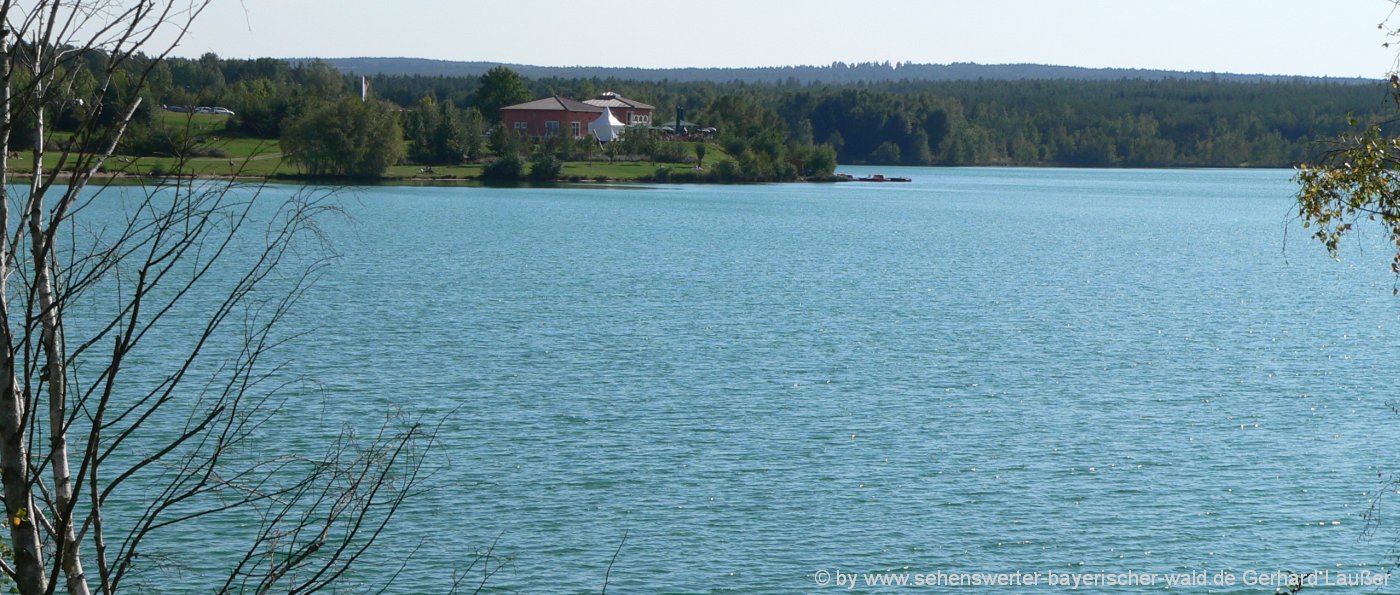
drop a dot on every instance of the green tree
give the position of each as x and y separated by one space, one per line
261 108
887 153
822 162
474 131
505 142
1356 181
346 138
420 126
438 132
320 80
498 88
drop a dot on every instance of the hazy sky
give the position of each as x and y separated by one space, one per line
1305 37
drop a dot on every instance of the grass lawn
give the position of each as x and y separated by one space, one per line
265 164
263 158
634 170
617 171
242 156
197 124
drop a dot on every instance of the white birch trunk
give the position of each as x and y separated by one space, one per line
55 370
30 574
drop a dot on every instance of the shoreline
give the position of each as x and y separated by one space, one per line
133 179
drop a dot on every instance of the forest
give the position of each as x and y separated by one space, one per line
839 73
768 131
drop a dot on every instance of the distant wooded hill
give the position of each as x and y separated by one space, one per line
1181 120
835 73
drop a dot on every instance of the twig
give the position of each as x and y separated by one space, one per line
614 561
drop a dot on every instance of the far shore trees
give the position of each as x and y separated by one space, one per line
1123 123
1126 123
345 138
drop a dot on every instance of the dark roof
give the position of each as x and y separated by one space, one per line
555 103
613 100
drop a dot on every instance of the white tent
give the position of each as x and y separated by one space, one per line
607 127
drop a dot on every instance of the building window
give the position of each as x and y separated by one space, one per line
521 125
576 129
551 128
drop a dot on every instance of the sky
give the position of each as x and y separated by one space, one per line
1292 37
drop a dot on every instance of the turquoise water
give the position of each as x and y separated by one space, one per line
985 370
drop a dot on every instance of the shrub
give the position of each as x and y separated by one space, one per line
508 167
545 167
671 153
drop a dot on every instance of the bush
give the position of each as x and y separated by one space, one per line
344 138
887 154
671 153
506 168
545 167
726 171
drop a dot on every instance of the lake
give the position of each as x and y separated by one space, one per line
984 370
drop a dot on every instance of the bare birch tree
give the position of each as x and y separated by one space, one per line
94 414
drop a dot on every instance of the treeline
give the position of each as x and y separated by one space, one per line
836 73
779 132
1078 123
1123 123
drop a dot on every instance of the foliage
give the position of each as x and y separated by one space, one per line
1356 181
439 133
474 130
505 142
561 146
498 88
1187 122
887 152
347 137
836 73
545 167
818 161
506 167
670 152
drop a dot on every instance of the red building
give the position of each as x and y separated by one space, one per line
550 116
630 111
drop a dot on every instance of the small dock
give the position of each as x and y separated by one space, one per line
872 178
